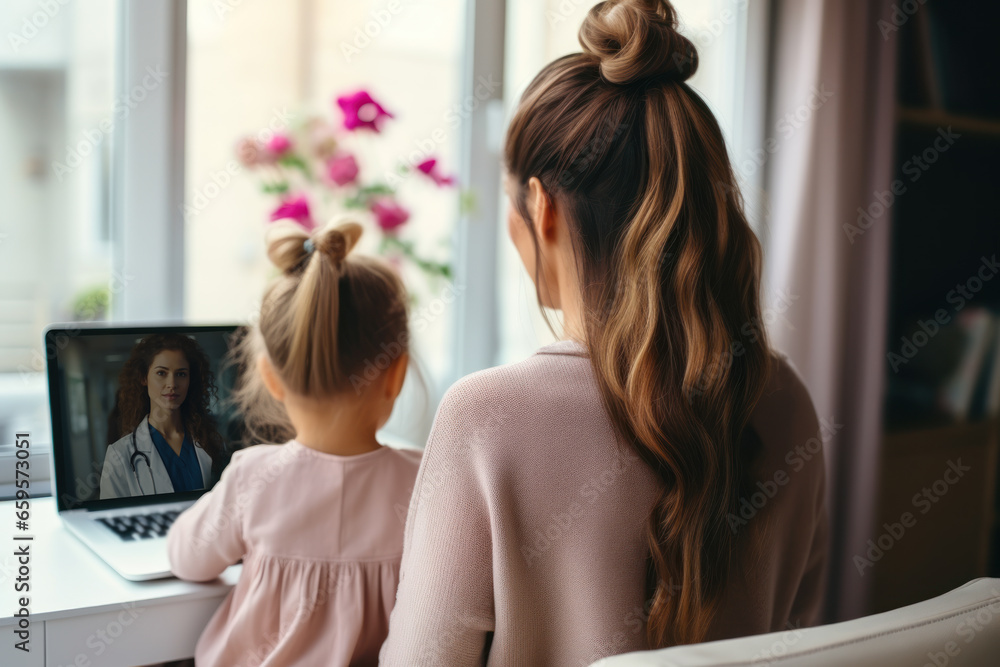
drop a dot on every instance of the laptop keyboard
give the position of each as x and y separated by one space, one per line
141 526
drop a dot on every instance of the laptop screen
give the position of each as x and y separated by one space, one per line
139 415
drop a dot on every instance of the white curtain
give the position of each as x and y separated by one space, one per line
831 112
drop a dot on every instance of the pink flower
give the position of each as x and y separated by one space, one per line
360 110
249 151
429 167
279 144
294 208
342 170
388 214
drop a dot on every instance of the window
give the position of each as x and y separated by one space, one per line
57 117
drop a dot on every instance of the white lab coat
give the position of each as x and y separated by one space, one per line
117 478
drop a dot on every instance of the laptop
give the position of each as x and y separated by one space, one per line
120 398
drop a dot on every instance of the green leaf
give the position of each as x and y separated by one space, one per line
392 243
294 161
467 202
376 189
92 303
275 188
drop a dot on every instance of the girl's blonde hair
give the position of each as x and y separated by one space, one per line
329 324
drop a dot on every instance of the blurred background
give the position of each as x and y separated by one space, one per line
865 135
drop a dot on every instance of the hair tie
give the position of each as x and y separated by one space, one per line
308 246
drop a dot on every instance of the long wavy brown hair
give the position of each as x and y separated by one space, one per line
132 402
669 270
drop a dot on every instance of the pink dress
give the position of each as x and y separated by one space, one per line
321 537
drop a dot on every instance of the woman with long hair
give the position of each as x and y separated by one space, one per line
656 477
168 438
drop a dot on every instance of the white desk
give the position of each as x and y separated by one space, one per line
84 614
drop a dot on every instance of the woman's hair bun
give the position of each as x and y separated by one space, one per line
289 245
637 40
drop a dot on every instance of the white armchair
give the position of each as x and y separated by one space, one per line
961 627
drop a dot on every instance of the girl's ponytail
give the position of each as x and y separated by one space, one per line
311 362
325 322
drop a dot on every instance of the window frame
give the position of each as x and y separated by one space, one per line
148 182
476 335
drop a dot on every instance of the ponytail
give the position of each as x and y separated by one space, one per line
325 316
670 274
306 349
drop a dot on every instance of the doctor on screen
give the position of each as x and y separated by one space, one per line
168 441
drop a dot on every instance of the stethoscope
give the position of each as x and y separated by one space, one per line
131 460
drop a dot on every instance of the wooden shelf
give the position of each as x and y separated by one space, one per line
950 541
940 426
935 118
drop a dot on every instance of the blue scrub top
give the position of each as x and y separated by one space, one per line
184 470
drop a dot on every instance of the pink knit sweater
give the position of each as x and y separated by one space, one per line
525 538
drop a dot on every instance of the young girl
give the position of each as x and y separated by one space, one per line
315 520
